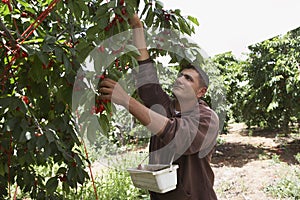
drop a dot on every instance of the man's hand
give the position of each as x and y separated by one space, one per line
135 22
111 90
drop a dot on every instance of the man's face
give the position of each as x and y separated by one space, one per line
187 85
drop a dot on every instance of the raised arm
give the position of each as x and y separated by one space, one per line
139 37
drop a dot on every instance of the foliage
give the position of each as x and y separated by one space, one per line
263 90
272 94
232 76
43 44
287 187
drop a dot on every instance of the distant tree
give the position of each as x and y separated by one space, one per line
272 98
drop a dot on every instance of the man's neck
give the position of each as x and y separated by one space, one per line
185 106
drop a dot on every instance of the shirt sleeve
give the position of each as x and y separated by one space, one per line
192 133
148 87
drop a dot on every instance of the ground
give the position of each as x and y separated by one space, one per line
246 162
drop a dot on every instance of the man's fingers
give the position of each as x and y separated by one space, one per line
105 90
107 83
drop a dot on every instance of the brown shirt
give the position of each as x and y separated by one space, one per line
189 137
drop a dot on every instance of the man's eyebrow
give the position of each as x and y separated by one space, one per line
187 75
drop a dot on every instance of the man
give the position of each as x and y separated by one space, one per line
185 125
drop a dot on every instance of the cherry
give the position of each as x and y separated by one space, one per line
74 164
101 48
24 54
38 134
123 11
167 17
25 99
121 2
63 178
24 14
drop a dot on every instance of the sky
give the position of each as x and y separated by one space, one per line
232 25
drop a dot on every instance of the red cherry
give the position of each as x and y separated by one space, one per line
25 99
123 11
121 2
117 62
24 14
38 134
107 28
167 17
101 48
5 1
101 108
94 110
74 164
24 54
105 101
63 178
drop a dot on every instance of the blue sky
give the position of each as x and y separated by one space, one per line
232 25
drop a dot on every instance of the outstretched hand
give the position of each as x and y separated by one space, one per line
111 90
135 22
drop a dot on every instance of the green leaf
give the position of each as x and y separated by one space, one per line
67 63
159 5
272 106
58 53
183 26
2 169
132 48
102 22
102 10
51 185
4 10
84 8
149 18
44 58
50 135
111 4
92 129
104 123
194 20
61 170
92 31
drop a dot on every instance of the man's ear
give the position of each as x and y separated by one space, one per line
201 92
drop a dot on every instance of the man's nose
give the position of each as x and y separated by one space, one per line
180 78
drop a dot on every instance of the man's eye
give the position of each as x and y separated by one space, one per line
187 77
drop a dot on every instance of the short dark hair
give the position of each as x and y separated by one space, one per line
203 77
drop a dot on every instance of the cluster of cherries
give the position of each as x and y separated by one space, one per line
99 107
117 17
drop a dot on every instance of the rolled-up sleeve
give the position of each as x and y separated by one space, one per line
193 133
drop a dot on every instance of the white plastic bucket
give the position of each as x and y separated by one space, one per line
156 178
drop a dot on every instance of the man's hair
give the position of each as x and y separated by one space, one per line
203 77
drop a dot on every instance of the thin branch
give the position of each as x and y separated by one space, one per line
7 32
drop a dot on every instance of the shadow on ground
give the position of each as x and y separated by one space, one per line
237 154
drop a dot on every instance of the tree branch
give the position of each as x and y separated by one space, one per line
7 33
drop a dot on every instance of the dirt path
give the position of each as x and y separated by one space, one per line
245 165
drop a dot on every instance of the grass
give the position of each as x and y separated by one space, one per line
287 186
